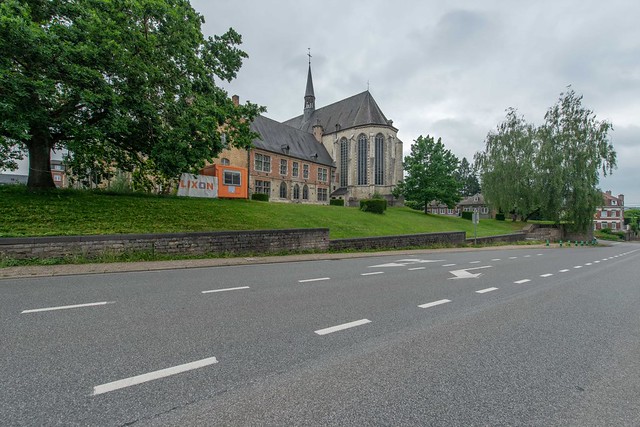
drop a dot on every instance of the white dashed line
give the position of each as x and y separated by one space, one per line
496 259
527 256
482 291
314 280
596 262
519 282
588 263
225 289
474 262
546 275
564 271
337 328
139 379
538 254
417 268
66 307
372 273
433 304
448 265
513 257
577 266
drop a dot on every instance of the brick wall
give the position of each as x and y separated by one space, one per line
402 241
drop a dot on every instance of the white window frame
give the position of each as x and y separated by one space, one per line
232 175
295 170
305 171
262 163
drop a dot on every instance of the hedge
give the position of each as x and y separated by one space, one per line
373 205
336 202
467 215
261 197
499 217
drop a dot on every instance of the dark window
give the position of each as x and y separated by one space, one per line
363 157
262 163
344 162
231 178
283 167
294 171
283 190
305 171
305 192
224 161
322 194
379 165
263 187
296 192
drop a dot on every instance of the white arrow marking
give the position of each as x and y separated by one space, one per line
464 274
391 264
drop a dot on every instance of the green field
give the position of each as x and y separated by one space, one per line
72 212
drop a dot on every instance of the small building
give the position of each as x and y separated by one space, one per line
232 180
611 214
442 209
475 203
12 179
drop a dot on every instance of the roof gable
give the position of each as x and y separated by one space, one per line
357 110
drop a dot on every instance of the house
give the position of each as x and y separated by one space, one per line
475 203
10 178
442 209
59 174
611 213
347 150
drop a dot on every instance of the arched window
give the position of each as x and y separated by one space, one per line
344 162
283 190
305 192
224 161
363 157
379 165
296 192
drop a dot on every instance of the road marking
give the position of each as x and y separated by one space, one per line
448 265
596 262
474 262
391 264
546 275
65 307
464 273
513 257
372 273
538 254
496 259
519 282
527 256
604 259
433 304
337 328
588 263
578 266
564 271
225 289
482 291
417 268
139 379
314 280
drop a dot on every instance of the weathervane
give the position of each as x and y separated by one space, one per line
309 55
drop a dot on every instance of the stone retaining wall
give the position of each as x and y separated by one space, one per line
503 238
398 242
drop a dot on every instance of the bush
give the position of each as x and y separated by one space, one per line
412 204
373 205
261 197
606 231
467 215
336 202
500 216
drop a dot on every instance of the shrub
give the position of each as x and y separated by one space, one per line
467 215
336 202
373 205
261 197
377 196
500 216
412 204
606 231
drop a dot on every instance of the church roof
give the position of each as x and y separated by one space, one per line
309 91
280 138
357 110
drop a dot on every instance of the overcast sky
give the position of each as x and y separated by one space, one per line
444 68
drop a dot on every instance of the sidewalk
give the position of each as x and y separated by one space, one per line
122 267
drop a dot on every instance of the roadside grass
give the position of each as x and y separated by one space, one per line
74 212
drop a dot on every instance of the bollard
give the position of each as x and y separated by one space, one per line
547 242
560 243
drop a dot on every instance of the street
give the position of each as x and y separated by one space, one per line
525 336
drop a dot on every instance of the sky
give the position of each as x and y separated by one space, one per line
449 69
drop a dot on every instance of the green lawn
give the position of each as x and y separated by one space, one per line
71 212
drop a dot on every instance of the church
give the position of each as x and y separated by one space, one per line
346 150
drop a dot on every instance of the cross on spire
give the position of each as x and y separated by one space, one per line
309 55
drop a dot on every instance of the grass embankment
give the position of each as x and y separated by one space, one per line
72 212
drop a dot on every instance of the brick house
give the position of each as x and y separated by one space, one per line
475 203
611 213
442 209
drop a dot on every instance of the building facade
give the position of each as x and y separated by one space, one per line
610 214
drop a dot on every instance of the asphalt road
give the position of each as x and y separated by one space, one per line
540 337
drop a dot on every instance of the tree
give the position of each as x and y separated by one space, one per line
574 148
127 84
467 176
634 219
507 166
430 170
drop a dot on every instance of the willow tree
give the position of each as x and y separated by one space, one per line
119 83
574 150
507 166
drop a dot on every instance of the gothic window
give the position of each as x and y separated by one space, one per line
283 190
379 162
363 157
224 161
305 192
296 192
344 162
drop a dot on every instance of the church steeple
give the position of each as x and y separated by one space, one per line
309 96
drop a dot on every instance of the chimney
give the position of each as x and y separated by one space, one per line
236 100
621 197
318 130
609 192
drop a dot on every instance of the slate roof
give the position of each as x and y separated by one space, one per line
277 136
469 201
357 110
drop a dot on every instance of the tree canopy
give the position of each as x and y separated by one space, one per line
553 169
118 83
467 176
431 173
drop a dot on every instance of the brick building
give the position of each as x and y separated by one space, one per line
611 213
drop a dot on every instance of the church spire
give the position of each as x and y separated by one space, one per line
309 96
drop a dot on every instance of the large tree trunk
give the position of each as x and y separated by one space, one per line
39 166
